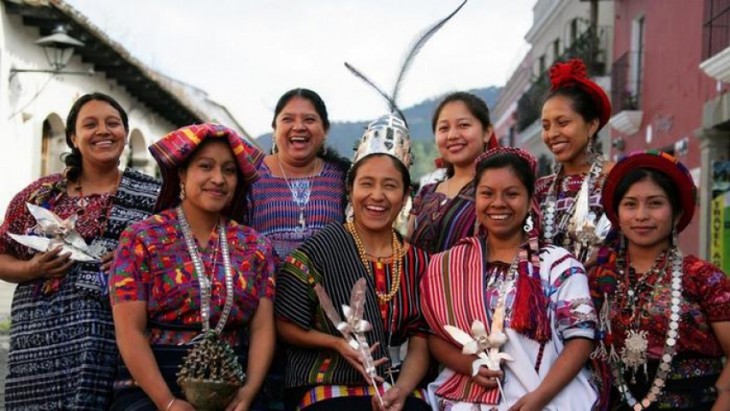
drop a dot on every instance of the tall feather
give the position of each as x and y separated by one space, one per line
416 48
391 102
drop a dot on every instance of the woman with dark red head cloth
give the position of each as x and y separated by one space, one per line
664 316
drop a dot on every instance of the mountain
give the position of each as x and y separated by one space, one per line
343 136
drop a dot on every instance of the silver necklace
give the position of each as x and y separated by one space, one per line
636 344
203 279
301 190
551 224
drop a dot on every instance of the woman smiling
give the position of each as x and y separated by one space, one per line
533 303
192 275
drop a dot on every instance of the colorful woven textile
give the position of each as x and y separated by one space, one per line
172 150
331 259
63 353
441 222
273 212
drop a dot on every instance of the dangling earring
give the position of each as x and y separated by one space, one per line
675 237
590 151
274 148
182 191
622 242
529 225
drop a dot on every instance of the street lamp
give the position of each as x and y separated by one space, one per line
58 48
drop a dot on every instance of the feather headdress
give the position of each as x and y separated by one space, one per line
389 133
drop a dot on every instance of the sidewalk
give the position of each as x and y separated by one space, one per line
3 367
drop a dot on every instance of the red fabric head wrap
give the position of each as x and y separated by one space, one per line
572 73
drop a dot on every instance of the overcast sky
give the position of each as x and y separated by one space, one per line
246 53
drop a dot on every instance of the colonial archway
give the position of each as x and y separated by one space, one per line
138 157
53 144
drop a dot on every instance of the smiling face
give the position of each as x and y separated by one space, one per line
299 132
99 133
460 136
564 131
645 215
502 203
378 193
210 178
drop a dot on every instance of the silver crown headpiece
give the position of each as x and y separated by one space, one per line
388 135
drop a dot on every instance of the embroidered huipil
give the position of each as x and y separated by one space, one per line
705 299
331 258
62 347
567 188
153 265
441 222
456 292
274 213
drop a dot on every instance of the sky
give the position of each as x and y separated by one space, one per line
246 53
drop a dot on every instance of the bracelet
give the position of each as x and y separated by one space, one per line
169 404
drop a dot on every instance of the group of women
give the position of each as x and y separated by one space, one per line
501 295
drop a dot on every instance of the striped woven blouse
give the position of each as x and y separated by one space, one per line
274 213
441 222
331 259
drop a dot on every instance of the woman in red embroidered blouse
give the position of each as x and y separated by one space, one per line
193 267
62 349
665 317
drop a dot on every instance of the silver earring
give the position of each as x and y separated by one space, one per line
675 236
529 225
182 191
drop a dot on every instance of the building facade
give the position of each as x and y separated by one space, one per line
561 30
660 92
35 96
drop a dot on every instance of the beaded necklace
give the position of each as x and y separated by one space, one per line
634 352
553 226
204 279
397 265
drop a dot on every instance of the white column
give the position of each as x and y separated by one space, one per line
714 145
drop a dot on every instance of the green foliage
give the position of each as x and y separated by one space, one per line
4 326
424 152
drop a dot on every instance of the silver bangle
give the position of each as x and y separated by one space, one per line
169 404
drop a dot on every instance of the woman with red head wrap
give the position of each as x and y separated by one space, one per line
573 113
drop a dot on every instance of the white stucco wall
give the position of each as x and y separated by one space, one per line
27 99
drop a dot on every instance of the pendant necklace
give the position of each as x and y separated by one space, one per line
633 355
205 279
554 225
447 184
301 190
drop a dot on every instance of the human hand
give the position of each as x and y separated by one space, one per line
354 357
242 400
530 401
50 264
487 378
394 399
106 262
